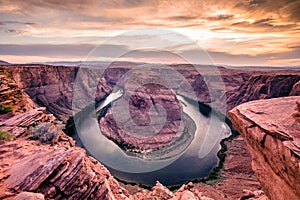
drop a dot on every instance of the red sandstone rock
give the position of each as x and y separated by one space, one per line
272 137
12 95
272 85
296 89
29 196
18 124
60 174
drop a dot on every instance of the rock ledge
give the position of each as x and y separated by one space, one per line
272 135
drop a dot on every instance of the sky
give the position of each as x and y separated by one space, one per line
232 32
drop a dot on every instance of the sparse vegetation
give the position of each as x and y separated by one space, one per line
6 136
45 132
5 109
70 126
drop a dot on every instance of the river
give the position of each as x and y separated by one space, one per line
195 160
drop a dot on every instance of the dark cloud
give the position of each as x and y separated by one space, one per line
256 2
18 22
263 21
294 47
182 17
80 50
220 17
16 31
126 3
287 10
263 25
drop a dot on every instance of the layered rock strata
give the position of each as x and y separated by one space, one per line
271 132
52 86
11 95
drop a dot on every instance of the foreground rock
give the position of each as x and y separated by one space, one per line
272 135
60 174
19 124
29 196
64 172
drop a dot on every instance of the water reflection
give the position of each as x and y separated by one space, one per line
195 161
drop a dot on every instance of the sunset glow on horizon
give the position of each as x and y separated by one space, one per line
233 32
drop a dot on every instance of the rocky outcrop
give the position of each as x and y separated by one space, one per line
61 174
160 192
11 95
62 170
272 136
18 124
296 89
29 196
58 171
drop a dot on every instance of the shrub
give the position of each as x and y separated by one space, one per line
70 126
5 109
45 132
4 135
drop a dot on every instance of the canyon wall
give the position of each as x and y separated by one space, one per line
265 86
52 86
48 86
271 130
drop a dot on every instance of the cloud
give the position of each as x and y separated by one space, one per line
56 28
76 50
263 25
18 22
182 17
220 17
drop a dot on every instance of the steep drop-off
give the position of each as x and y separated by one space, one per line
271 131
264 86
48 86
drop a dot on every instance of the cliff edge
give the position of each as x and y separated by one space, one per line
271 129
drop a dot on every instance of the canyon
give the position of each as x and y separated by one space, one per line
27 87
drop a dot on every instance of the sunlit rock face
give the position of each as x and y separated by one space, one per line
271 131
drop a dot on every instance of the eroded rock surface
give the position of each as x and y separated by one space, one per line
19 124
12 95
60 174
272 136
59 80
266 86
144 128
29 196
52 86
48 86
